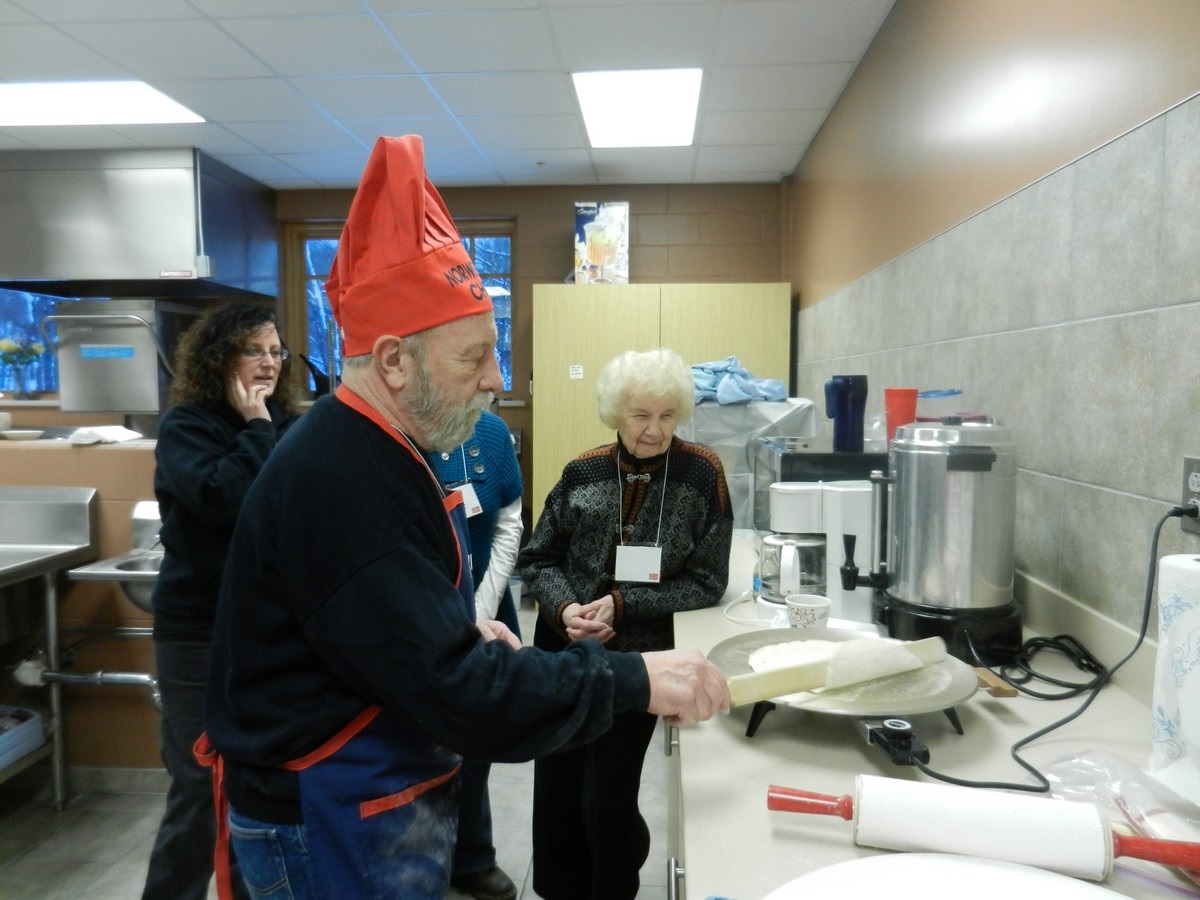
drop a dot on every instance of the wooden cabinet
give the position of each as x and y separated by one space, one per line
578 328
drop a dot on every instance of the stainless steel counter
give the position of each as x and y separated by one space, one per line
22 562
44 530
730 845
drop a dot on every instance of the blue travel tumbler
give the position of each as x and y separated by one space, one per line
845 403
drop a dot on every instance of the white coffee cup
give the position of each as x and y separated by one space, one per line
5 421
807 610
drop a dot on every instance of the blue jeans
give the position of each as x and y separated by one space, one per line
475 850
274 859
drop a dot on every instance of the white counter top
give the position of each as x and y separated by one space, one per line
732 846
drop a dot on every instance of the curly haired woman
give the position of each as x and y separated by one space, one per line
231 401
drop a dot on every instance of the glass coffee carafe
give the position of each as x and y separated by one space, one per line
791 564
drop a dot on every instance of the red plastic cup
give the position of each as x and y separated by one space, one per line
900 408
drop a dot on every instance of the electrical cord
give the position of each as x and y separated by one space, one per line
1020 672
746 597
1092 688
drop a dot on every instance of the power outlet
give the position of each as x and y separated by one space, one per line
1191 492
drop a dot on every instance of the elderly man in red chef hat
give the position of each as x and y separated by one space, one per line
349 674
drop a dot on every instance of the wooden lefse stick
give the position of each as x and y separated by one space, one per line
993 684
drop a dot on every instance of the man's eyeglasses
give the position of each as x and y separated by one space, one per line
259 353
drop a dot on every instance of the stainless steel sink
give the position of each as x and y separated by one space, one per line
135 570
141 566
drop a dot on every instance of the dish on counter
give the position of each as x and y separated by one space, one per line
933 688
936 876
21 434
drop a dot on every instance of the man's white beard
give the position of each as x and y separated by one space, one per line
442 424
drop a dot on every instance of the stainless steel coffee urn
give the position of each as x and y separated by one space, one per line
950 541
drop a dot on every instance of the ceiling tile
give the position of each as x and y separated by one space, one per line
328 167
213 138
476 41
459 167
54 137
296 137
242 99
11 14
109 10
411 6
442 133
321 45
781 159
42 52
247 9
526 132
644 36
530 167
372 97
767 32
297 91
666 164
507 94
169 50
272 170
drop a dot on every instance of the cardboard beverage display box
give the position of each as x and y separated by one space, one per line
602 243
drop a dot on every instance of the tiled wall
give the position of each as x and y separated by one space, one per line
1071 312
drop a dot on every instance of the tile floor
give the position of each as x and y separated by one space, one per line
97 848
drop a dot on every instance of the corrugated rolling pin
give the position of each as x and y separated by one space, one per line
1073 838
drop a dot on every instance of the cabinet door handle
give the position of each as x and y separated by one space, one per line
674 873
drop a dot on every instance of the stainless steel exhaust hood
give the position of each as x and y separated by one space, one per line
172 224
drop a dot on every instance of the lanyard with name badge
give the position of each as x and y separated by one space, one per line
640 562
470 499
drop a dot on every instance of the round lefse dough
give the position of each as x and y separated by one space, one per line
863 660
790 653
850 662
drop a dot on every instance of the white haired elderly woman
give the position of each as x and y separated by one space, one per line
634 532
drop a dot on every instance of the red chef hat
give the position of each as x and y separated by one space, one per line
400 265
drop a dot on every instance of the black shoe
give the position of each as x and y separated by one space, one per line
490 885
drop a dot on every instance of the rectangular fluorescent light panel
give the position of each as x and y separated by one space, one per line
89 103
639 107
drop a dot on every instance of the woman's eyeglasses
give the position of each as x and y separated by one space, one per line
259 353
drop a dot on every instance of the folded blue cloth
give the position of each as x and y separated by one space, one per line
727 381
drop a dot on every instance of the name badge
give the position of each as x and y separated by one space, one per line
638 562
471 504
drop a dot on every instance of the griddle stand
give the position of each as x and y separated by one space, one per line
762 707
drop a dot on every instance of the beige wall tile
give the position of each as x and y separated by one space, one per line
670 230
1089 291
693 263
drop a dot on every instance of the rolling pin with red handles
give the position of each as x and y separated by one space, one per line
1072 838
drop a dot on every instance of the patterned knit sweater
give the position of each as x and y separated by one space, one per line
606 495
